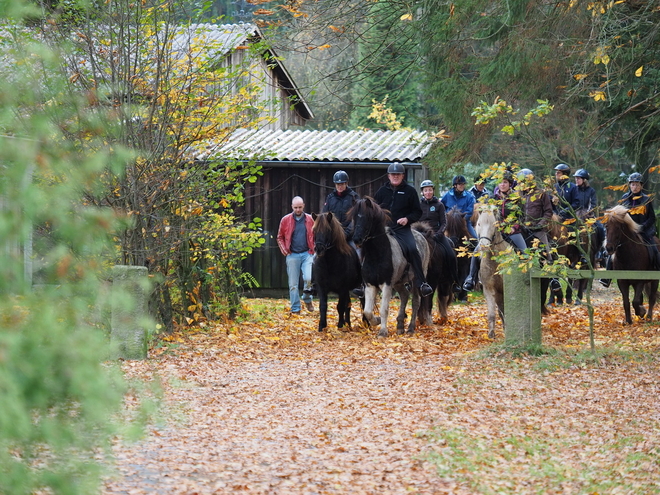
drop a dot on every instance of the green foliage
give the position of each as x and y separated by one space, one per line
58 401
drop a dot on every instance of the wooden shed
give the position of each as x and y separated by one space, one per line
302 163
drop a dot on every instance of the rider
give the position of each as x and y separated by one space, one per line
585 200
563 198
509 209
643 214
479 190
433 212
340 201
463 200
401 200
537 209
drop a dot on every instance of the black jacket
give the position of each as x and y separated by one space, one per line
401 202
644 218
433 212
339 206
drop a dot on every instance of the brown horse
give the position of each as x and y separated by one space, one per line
574 247
630 252
336 268
439 277
457 232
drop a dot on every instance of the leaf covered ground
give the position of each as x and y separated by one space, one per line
270 406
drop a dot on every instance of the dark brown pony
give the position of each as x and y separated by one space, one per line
626 245
336 268
567 245
439 277
458 233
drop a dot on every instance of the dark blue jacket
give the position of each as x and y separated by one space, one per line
584 198
339 206
565 191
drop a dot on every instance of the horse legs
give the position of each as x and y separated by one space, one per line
323 309
491 304
652 288
369 302
638 299
624 288
545 284
404 295
386 296
344 310
416 302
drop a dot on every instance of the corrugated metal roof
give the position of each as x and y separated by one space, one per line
212 40
375 146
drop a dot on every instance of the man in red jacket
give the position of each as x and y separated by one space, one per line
296 241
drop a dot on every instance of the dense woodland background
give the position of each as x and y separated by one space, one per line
595 62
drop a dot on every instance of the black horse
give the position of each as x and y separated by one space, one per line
630 252
440 276
336 268
458 234
384 265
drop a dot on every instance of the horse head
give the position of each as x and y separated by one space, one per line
619 226
368 220
486 227
328 234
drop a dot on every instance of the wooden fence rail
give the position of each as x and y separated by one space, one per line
522 299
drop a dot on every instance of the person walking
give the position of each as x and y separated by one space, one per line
295 239
537 209
401 200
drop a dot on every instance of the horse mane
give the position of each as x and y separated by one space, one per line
423 228
368 206
329 223
456 226
618 215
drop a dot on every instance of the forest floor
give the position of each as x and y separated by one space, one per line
271 406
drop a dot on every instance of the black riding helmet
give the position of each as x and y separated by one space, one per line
458 179
340 177
635 177
562 167
582 173
396 168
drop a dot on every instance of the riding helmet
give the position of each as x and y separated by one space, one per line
581 173
427 183
396 168
458 179
340 177
635 177
524 173
563 168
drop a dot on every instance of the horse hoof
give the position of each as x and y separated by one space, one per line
491 335
383 334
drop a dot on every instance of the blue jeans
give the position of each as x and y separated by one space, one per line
295 263
470 228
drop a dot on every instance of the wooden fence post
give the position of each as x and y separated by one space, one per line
522 309
129 311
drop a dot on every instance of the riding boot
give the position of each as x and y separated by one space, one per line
470 281
605 282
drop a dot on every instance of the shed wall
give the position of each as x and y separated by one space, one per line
270 199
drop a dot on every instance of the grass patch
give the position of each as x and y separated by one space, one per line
538 463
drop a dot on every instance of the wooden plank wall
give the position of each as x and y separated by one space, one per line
270 199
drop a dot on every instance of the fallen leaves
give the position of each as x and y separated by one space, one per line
271 405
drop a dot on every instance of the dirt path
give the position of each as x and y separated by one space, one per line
272 407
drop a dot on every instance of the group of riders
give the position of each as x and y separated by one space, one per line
525 208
